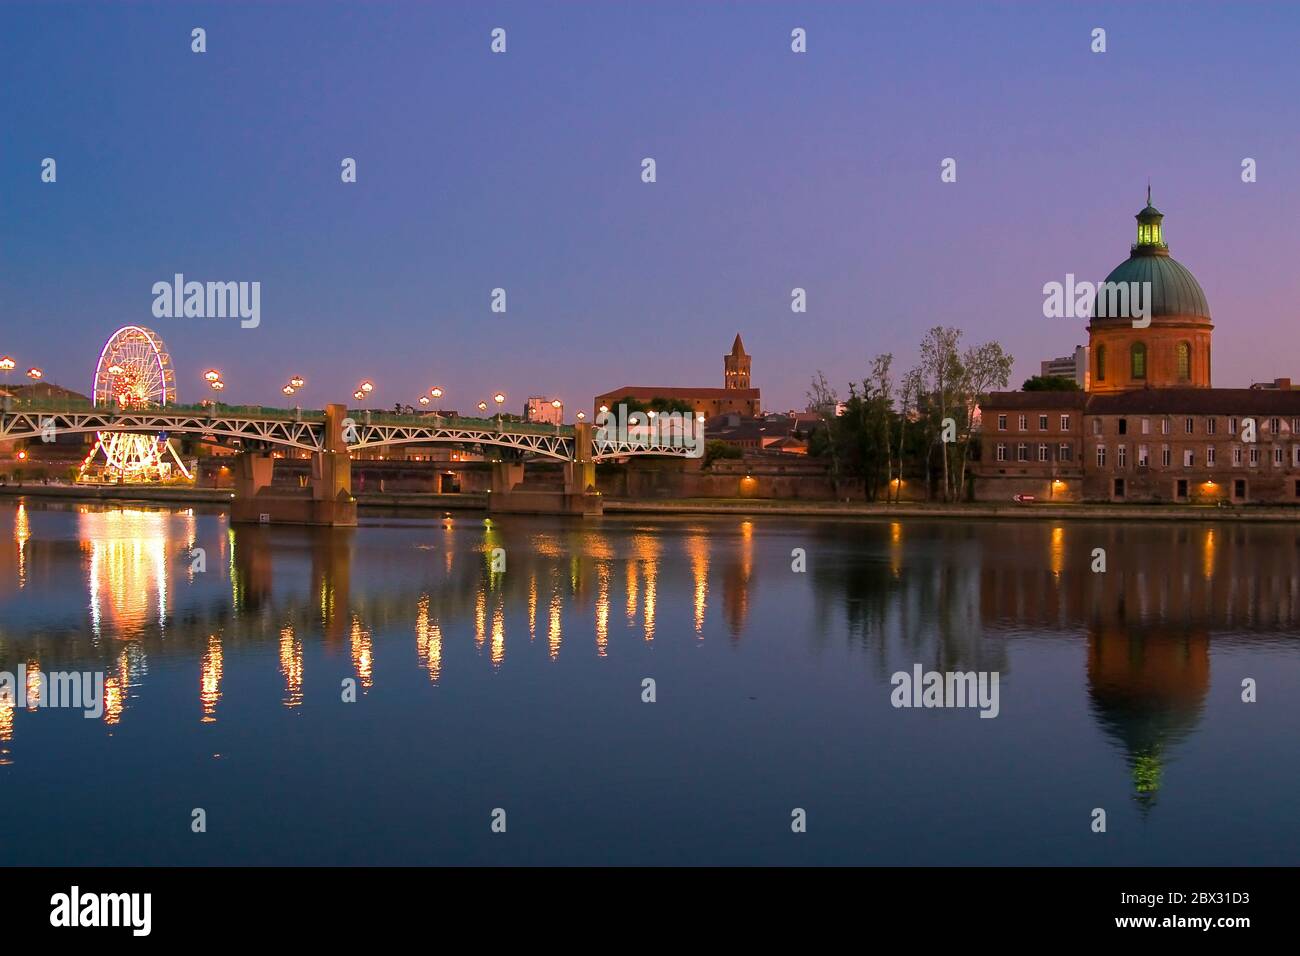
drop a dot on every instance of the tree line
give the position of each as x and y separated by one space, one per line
916 428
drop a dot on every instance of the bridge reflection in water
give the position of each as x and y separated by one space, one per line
952 596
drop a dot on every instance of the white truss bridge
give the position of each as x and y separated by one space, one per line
264 428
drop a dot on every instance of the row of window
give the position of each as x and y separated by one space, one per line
1042 423
1271 425
1137 361
1065 452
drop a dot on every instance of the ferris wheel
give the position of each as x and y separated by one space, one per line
134 373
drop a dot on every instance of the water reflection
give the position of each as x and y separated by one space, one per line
951 596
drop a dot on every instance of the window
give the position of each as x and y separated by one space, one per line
1101 363
1295 425
1096 426
1119 487
1239 488
1295 454
1254 457
1209 455
1002 423
1236 454
1024 423
1065 423
1180 488
1189 425
1209 425
1189 458
1137 354
1277 455
1002 451
1164 426
1042 452
1165 457
1183 358
1065 452
1143 453
1022 452
1121 456
1101 456
1274 425
1042 423
1232 426
1123 426
1146 426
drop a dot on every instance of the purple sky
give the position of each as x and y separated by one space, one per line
522 170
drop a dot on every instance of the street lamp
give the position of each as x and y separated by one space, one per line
557 405
482 406
297 381
367 387
288 390
7 365
424 399
499 398
212 375
582 416
358 395
34 373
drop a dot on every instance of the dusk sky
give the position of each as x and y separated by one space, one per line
523 171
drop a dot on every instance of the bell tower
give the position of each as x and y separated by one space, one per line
736 366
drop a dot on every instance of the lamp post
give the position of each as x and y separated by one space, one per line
35 373
297 381
499 398
7 365
557 405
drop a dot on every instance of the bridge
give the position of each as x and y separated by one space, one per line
333 434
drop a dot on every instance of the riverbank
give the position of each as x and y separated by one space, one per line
471 501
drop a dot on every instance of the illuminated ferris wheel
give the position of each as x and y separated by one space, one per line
135 373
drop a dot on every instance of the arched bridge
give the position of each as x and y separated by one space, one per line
261 428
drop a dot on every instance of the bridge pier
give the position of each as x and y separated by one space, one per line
512 494
327 500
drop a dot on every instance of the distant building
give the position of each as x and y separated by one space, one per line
735 397
1073 367
540 409
1278 384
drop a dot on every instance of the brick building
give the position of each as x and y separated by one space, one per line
1150 428
735 397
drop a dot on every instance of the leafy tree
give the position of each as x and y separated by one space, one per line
1050 383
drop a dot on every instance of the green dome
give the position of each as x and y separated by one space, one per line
1174 290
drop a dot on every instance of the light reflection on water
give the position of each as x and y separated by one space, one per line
1108 678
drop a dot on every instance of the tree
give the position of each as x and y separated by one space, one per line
1050 383
984 368
820 398
942 373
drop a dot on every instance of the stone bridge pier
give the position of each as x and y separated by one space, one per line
513 493
326 500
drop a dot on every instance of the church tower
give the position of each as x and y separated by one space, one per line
736 366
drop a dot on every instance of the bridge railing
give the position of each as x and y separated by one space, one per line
432 419
218 410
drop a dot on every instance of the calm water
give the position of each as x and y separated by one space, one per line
523 690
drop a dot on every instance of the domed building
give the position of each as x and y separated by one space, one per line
1150 286
1149 427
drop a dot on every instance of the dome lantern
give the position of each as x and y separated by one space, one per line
1150 230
